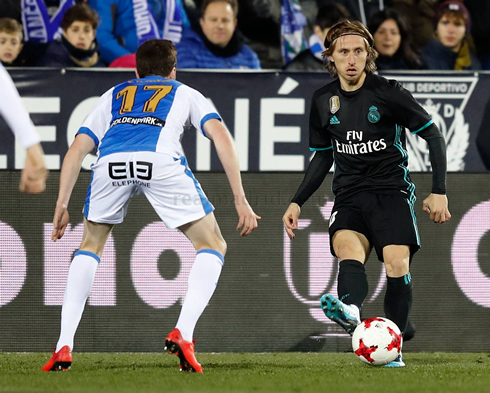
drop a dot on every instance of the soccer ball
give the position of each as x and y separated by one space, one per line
377 341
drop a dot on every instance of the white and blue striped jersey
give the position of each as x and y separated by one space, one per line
146 114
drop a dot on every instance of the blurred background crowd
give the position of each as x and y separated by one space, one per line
244 34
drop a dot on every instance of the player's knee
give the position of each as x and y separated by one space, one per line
396 267
346 250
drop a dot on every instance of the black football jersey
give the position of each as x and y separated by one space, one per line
366 130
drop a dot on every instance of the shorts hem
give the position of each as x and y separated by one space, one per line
102 221
187 220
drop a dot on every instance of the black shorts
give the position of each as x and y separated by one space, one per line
383 218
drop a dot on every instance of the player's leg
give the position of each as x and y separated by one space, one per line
79 283
106 204
206 237
395 239
398 297
352 249
179 200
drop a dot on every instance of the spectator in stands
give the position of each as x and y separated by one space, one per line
312 58
420 15
218 43
393 42
77 46
361 10
41 21
126 24
10 40
452 47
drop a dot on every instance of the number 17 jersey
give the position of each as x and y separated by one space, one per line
146 114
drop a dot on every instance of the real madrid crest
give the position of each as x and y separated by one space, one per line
334 104
373 114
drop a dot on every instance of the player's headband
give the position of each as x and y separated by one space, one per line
344 34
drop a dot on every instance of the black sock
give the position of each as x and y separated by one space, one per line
398 300
352 285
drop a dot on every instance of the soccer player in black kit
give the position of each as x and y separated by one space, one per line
359 121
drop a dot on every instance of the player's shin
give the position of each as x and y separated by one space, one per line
398 300
352 282
79 283
203 280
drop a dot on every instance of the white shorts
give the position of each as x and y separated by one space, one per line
167 183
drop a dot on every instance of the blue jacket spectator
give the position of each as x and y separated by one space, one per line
218 44
196 52
118 30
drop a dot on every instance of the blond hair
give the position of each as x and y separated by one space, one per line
345 27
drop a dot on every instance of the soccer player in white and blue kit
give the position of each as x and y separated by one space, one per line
137 128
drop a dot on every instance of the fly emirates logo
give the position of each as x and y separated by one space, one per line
355 144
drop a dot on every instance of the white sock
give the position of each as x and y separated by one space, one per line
78 285
203 280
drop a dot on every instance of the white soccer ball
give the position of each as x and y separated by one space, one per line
377 341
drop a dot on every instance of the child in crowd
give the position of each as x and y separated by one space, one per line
77 46
10 40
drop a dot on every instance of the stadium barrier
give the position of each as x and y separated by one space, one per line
266 111
268 295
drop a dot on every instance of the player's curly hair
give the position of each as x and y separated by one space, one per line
346 27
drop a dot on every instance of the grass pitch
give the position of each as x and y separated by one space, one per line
239 372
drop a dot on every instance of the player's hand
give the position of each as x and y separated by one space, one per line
247 219
436 206
60 221
290 219
34 174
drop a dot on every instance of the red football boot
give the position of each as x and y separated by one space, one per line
60 361
174 343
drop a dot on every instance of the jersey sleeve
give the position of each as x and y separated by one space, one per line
320 138
200 110
14 112
97 122
407 111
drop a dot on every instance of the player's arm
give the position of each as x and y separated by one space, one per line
225 148
436 203
34 174
321 143
409 113
315 174
72 164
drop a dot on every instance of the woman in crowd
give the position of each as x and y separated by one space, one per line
393 41
452 45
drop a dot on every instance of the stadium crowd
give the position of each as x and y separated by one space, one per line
245 34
